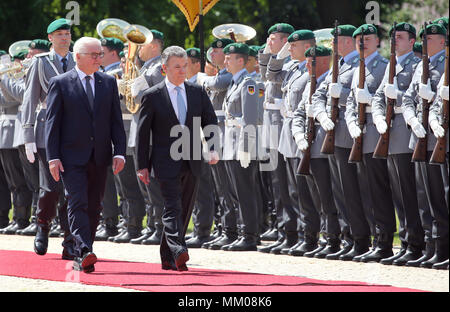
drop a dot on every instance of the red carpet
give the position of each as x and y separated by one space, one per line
150 277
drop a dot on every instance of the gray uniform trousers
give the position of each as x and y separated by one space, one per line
5 199
203 211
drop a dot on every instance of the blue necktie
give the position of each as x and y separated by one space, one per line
64 61
181 106
89 92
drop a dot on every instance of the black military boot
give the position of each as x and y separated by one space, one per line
300 240
207 244
109 229
382 250
309 244
226 239
360 247
428 254
440 254
398 255
134 228
270 235
155 238
441 265
41 238
246 243
347 245
332 247
145 233
30 230
289 241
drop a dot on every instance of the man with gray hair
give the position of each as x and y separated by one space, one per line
174 104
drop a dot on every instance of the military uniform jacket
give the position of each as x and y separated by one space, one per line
399 133
293 87
272 119
299 122
241 107
8 113
436 110
13 89
374 75
153 74
261 91
321 100
412 102
44 66
216 87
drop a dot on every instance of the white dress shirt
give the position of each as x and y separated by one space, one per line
173 95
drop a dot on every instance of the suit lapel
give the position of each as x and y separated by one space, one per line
168 102
189 100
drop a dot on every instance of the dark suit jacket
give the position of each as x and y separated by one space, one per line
157 116
73 130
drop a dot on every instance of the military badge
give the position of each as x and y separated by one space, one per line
32 45
163 73
232 49
251 90
295 37
433 29
261 93
219 44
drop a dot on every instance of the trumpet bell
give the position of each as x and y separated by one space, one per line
242 33
18 46
112 28
138 34
324 37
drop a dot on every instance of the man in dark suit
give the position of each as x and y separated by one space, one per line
168 108
83 119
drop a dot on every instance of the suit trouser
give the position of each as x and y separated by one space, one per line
179 195
379 188
403 184
359 226
51 198
339 199
84 189
203 212
437 198
243 182
22 196
309 201
5 198
31 173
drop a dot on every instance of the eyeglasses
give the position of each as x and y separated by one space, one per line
95 55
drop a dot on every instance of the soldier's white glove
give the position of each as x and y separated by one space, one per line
438 131
300 140
425 91
326 123
355 131
244 159
30 149
417 128
284 52
309 110
201 77
363 95
443 92
266 48
335 90
380 123
390 90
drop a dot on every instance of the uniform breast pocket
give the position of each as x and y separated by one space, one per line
234 105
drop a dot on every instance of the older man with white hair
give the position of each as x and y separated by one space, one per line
83 123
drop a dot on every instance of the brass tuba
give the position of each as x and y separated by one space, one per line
112 28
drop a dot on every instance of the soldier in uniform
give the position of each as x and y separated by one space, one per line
151 74
203 212
401 169
44 67
436 249
273 121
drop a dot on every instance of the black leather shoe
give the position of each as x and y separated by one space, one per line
378 254
270 235
390 260
41 240
441 254
154 239
288 242
140 239
268 248
13 228
207 244
168 265
303 248
312 253
441 265
356 251
85 263
225 240
343 251
332 246
297 245
68 253
359 257
30 230
198 241
427 255
126 237
180 261
112 238
225 247
244 244
56 231
411 254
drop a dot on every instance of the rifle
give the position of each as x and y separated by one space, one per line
328 142
438 156
382 148
420 151
303 167
357 149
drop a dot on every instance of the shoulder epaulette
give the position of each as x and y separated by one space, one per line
42 54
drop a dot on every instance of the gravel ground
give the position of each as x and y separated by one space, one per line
256 262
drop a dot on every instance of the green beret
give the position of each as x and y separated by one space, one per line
319 51
254 49
40 44
238 48
112 43
3 52
121 54
20 55
366 29
417 47
221 43
61 23
157 34
281 28
345 30
403 27
442 20
303 34
193 52
434 29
